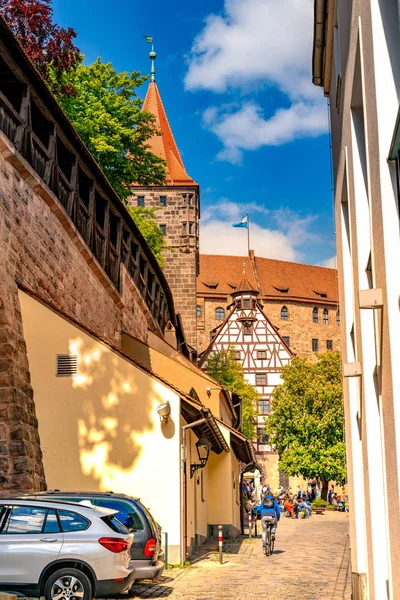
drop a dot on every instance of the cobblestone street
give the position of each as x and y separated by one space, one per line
311 561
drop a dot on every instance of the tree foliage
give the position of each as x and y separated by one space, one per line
107 114
306 423
223 367
49 47
149 228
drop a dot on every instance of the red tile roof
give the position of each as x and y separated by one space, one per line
305 282
164 145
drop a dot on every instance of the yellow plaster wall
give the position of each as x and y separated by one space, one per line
100 430
178 371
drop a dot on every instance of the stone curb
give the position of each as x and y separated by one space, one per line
4 596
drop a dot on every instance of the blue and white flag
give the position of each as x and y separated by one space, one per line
243 222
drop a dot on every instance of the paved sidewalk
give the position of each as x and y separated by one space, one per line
311 562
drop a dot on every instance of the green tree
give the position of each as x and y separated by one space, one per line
306 423
106 112
223 367
145 220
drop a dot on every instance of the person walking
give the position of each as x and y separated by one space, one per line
270 514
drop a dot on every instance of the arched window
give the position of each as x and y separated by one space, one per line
284 314
219 314
338 317
325 317
315 315
198 311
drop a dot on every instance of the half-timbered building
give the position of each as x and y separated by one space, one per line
258 347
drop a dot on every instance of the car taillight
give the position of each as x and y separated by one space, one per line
115 545
150 547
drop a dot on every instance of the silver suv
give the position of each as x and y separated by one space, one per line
62 550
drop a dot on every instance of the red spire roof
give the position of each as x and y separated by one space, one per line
164 145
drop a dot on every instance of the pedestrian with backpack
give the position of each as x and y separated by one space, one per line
270 514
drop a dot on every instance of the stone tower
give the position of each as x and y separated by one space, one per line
178 217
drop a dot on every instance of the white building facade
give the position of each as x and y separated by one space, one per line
356 60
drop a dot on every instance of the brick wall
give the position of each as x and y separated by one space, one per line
299 327
40 247
180 217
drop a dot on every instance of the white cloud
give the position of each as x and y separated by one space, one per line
282 237
253 43
247 129
329 262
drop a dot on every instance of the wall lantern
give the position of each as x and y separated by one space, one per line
164 410
203 447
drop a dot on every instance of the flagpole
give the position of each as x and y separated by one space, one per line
248 234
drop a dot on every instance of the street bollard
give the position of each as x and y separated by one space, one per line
250 524
220 542
165 549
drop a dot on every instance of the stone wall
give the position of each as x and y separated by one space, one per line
299 327
41 249
180 218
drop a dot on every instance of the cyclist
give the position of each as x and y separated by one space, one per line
270 514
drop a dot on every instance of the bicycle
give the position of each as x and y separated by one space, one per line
269 546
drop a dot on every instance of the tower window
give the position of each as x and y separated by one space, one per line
325 317
198 311
190 228
338 317
163 229
140 201
314 345
247 329
284 314
286 339
163 200
239 304
315 315
329 344
246 303
219 314
184 228
261 379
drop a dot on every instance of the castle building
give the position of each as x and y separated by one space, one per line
178 204
300 300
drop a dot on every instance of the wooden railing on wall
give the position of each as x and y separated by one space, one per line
99 215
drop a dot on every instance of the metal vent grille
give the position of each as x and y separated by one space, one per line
67 365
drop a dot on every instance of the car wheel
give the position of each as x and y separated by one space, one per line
68 584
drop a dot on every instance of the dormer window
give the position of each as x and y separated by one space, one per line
211 285
321 294
282 290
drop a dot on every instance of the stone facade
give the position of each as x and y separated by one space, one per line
179 218
299 327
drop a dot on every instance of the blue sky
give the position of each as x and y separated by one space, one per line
235 78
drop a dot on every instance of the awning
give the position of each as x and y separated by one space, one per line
191 412
244 450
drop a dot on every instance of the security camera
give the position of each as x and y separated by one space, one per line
208 390
164 410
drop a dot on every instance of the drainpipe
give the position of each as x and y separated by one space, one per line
183 456
319 42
